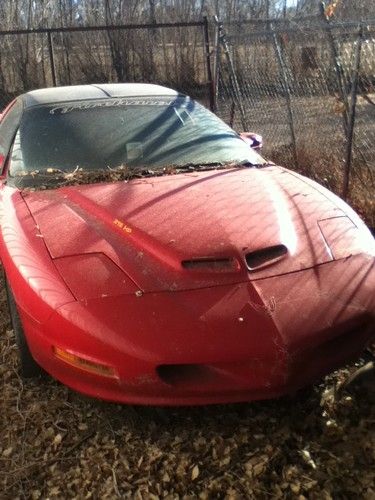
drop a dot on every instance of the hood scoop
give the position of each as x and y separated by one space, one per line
211 264
265 257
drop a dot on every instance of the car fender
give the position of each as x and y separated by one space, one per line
37 286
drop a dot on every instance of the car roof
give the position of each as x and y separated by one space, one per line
55 95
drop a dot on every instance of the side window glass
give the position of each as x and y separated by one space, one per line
8 128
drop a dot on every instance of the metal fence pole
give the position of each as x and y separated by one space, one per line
216 70
51 58
211 87
236 87
352 114
338 67
284 77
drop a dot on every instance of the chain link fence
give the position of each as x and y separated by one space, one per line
308 87
172 54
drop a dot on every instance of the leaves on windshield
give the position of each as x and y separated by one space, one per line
52 178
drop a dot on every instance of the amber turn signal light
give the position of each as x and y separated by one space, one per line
84 364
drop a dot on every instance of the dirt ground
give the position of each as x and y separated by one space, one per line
55 443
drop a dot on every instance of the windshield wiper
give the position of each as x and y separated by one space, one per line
264 164
193 167
223 166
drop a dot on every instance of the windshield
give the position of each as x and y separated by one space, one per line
148 132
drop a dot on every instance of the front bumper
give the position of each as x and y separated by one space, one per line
223 344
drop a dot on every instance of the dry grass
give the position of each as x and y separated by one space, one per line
57 444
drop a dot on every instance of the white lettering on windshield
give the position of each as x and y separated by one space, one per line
110 104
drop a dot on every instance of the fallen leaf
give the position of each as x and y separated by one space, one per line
195 472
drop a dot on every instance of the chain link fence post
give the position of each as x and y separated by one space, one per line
233 77
51 58
216 70
338 68
286 90
210 81
352 113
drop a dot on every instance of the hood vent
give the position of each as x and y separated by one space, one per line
265 257
211 264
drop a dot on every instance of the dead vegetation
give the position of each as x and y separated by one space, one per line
55 443
55 178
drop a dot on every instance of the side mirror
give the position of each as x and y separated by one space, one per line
255 141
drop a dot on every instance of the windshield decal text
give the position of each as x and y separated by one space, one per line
110 103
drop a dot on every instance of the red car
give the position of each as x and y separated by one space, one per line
151 256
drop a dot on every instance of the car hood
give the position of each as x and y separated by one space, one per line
199 229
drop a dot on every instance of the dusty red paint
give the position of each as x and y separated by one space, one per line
221 214
97 270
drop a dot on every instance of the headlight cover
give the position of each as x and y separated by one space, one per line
344 238
93 276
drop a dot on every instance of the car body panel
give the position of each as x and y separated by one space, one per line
37 285
240 342
151 278
149 227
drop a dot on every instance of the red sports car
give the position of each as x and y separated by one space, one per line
152 256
